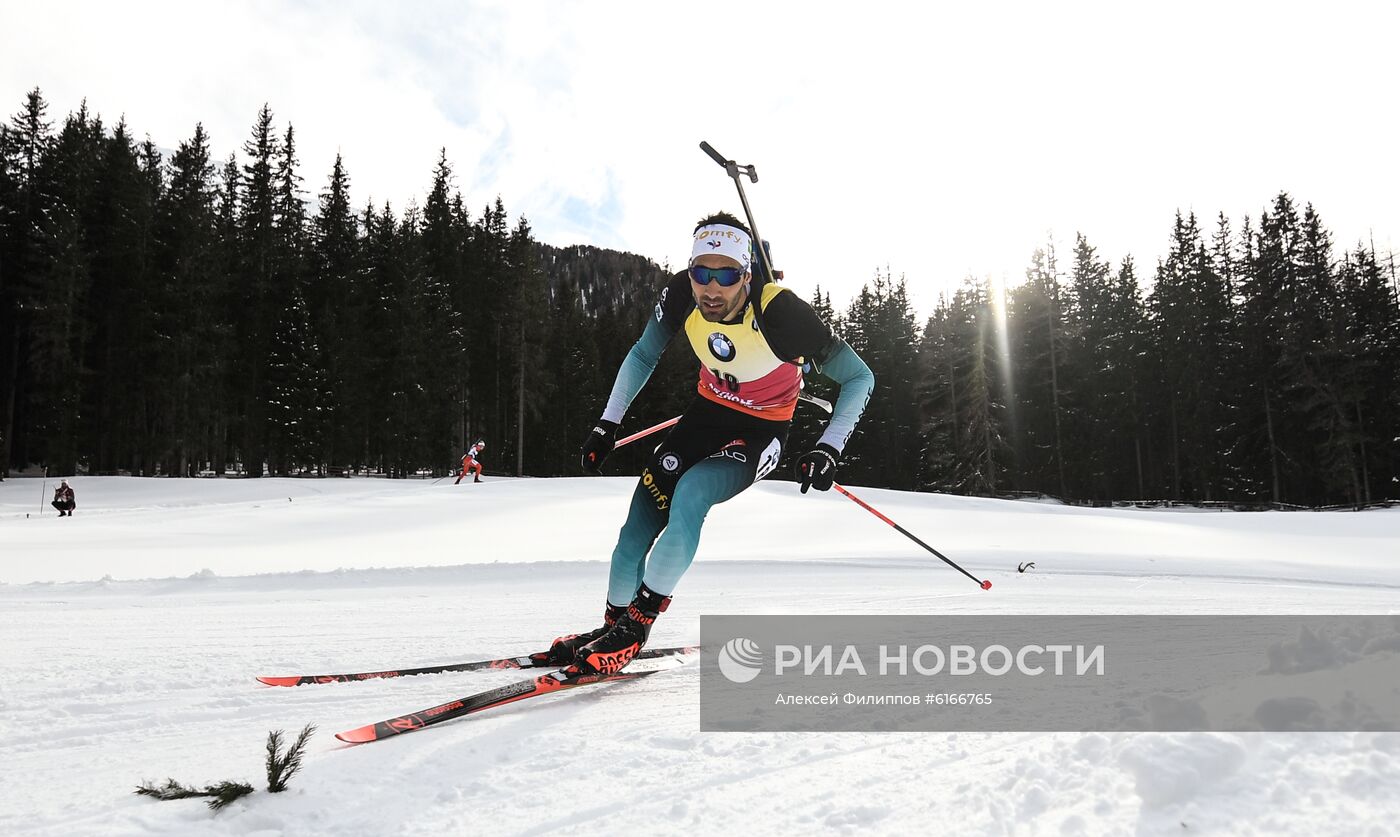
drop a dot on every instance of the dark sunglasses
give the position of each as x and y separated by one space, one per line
725 276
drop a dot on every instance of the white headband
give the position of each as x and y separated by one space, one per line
724 240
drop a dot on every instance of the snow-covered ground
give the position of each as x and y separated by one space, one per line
130 634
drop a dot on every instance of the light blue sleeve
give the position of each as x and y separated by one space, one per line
857 382
636 369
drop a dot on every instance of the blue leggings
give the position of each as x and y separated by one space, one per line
711 455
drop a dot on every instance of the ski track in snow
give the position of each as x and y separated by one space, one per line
130 634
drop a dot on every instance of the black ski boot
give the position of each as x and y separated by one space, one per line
609 653
562 650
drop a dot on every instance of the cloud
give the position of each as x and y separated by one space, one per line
938 141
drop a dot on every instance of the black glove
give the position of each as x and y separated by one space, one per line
817 467
598 445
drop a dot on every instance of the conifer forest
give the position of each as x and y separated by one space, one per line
181 315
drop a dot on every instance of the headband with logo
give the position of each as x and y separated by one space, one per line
724 240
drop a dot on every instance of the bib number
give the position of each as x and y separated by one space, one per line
730 382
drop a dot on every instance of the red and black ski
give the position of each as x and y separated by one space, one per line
545 684
529 661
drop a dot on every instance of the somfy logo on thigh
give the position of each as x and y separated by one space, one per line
740 660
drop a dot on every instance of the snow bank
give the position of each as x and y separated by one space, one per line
130 634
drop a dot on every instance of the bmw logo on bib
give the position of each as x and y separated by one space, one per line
721 346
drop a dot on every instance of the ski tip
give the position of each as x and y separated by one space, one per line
279 681
357 736
987 585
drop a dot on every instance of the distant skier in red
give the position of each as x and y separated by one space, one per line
63 499
470 463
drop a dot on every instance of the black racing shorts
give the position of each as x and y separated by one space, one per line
708 430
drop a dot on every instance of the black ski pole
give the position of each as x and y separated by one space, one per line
733 169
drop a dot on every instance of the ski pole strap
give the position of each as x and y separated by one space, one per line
985 585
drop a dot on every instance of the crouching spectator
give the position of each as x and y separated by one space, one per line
63 499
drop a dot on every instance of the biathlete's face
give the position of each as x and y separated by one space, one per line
715 301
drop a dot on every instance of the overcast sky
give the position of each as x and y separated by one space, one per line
940 140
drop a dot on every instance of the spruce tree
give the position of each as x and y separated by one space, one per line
984 455
60 328
256 308
1278 266
227 267
1322 372
338 302
487 362
1124 346
443 336
124 428
1285 310
191 318
26 142
573 393
1191 322
9 215
1039 343
374 393
940 350
414 433
1091 415
897 382
526 312
289 435
1367 331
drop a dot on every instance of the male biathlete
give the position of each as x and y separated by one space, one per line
753 339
